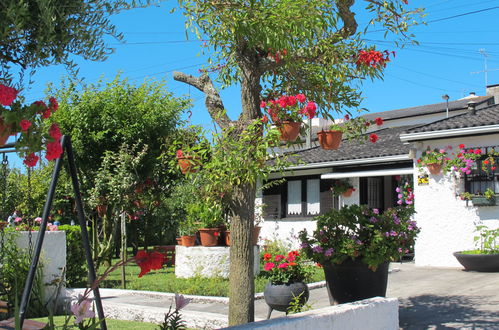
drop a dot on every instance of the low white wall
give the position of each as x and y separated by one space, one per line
447 223
53 256
207 261
373 314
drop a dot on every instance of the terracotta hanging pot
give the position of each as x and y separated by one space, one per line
348 193
330 140
289 130
4 132
209 236
101 210
227 237
186 164
434 168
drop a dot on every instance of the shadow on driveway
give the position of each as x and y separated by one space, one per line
447 312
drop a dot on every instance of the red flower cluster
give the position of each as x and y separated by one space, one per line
7 95
179 153
289 108
373 58
31 160
148 261
25 124
373 138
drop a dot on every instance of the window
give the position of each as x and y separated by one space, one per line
479 180
298 197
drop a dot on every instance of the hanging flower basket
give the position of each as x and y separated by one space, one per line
349 192
330 140
289 130
434 168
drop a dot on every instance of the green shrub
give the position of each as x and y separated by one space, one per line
76 265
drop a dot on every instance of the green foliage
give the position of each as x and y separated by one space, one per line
76 266
355 231
37 33
297 305
173 321
487 240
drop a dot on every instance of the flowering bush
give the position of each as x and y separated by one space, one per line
280 269
358 232
28 121
341 186
289 108
433 156
464 161
405 194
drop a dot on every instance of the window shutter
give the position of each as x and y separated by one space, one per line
272 202
326 196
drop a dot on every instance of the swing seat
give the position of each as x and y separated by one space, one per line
28 324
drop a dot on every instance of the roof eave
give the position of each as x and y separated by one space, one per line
372 160
448 133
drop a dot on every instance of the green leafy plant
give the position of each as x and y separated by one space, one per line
487 241
433 156
76 267
465 196
489 193
285 268
297 305
355 128
357 232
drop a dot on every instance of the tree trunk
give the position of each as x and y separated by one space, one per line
241 278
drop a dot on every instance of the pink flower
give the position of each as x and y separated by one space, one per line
292 100
179 153
81 309
478 151
300 97
38 220
18 219
283 265
268 266
7 95
53 228
181 301
25 124
278 257
263 104
54 150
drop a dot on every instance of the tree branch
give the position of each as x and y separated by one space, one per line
213 101
348 17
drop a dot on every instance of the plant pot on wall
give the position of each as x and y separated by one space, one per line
330 140
189 240
478 262
352 280
434 168
179 240
289 130
209 236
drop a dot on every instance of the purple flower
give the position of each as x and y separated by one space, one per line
359 242
328 252
399 202
399 196
397 189
373 220
303 245
81 309
181 301
317 249
375 211
396 220
409 202
393 233
400 250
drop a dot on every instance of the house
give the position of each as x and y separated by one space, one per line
375 170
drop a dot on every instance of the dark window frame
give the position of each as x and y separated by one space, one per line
478 181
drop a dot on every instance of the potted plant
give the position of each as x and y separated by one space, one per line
286 275
29 121
350 128
486 257
187 231
355 245
210 216
187 163
342 187
464 161
287 114
488 198
433 159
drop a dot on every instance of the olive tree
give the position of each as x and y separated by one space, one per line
274 47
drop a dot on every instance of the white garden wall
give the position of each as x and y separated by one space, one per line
447 223
373 314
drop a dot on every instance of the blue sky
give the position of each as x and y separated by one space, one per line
156 46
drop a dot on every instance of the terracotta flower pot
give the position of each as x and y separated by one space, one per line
434 168
186 164
227 237
289 130
188 240
4 132
179 240
209 236
348 193
330 140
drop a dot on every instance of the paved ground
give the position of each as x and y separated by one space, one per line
430 298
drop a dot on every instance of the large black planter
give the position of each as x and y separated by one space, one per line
278 296
478 262
352 280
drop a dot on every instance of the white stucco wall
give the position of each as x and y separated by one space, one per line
447 224
203 261
373 314
53 256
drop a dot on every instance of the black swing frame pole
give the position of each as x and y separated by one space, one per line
66 146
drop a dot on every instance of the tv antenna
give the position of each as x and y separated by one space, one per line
486 70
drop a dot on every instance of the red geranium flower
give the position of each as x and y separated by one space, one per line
265 119
31 160
378 121
179 153
283 265
267 256
278 257
7 95
461 146
268 266
263 104
53 104
25 124
148 261
54 150
301 98
373 138
55 132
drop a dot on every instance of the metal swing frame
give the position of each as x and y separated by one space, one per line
67 149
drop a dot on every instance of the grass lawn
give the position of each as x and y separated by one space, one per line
111 324
164 280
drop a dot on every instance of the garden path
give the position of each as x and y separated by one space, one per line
430 298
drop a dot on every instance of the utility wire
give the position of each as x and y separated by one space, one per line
463 14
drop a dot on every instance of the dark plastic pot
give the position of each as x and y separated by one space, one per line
279 296
478 262
352 280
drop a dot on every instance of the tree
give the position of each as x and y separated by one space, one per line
276 47
38 33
